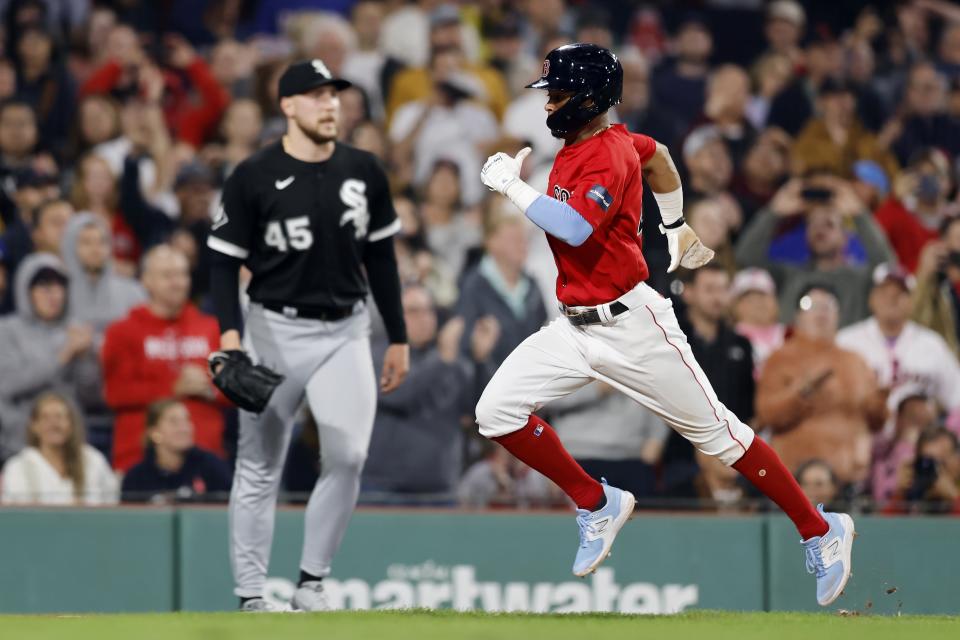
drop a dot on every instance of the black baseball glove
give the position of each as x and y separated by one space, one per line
247 385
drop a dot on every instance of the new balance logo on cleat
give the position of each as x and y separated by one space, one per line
832 553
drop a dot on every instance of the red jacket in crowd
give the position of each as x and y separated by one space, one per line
907 236
142 358
189 121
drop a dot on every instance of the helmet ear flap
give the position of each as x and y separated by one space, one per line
573 114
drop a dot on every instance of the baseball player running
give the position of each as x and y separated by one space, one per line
305 215
614 327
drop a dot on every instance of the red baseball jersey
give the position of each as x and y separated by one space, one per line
600 178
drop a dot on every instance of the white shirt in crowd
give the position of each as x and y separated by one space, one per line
918 357
450 133
29 479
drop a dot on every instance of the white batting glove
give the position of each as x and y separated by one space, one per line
685 248
500 171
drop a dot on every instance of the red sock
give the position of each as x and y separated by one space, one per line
538 446
762 466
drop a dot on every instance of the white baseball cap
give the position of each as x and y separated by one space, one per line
892 272
752 279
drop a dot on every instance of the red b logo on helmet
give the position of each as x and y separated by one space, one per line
546 68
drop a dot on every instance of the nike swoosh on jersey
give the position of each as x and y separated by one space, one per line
283 184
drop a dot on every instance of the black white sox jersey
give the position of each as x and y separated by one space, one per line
301 227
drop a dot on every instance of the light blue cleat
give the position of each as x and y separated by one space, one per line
599 528
828 556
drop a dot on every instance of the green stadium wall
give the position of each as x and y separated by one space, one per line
116 560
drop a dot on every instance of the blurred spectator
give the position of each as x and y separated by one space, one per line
714 220
924 121
821 401
173 469
44 81
422 418
95 190
364 64
129 69
446 124
57 467
31 192
499 479
448 56
934 478
450 230
900 351
500 304
783 30
835 139
98 123
937 298
725 357
708 162
158 351
770 73
818 482
42 351
19 138
49 223
233 63
679 83
517 66
240 130
98 296
914 413
611 436
637 110
756 314
793 106
912 215
408 33
764 168
725 107
826 203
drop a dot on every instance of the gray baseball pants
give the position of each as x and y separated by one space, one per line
330 363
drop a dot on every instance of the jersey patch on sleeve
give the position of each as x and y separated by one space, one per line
601 196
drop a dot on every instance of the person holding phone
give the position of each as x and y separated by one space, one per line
819 400
829 206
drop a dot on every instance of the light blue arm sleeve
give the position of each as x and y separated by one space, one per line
559 220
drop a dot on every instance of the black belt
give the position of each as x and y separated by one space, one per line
310 312
592 316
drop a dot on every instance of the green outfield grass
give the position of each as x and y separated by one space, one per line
448 625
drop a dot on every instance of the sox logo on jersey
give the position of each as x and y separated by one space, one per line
353 194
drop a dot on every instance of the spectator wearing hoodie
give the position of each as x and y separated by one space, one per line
160 350
98 296
41 350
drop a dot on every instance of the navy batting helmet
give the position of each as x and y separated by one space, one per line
591 73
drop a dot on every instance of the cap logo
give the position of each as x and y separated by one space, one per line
320 68
546 68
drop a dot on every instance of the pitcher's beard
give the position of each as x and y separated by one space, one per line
316 137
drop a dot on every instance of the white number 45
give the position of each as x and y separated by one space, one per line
298 236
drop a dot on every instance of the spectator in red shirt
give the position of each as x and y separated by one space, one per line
128 68
912 215
160 350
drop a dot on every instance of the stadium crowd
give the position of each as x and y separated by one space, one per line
820 149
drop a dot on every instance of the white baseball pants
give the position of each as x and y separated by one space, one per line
642 352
